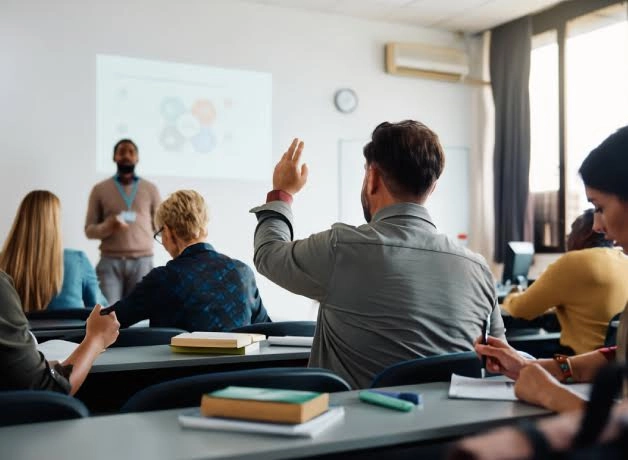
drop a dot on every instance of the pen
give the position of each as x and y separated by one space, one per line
106 311
485 332
414 398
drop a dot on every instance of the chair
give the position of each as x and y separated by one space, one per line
31 406
282 328
134 337
431 369
540 345
67 313
611 332
187 391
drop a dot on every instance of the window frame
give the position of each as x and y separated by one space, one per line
557 18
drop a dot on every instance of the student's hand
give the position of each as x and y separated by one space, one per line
289 176
102 329
114 223
501 358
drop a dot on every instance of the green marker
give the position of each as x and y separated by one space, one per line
386 401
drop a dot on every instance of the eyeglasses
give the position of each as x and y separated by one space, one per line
157 235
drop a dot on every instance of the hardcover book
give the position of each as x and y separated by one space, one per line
245 350
215 339
264 404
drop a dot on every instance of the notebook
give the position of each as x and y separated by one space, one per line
193 419
57 350
291 341
496 389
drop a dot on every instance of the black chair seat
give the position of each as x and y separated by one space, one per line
187 391
31 406
281 328
431 369
134 336
66 313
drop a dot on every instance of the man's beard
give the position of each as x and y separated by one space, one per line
124 168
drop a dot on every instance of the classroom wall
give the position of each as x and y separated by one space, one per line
48 102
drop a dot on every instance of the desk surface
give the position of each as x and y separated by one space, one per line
55 324
160 356
157 435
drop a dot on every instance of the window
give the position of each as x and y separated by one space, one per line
596 93
544 141
578 96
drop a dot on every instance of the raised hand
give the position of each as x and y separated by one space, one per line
289 175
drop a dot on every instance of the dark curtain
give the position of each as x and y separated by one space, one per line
510 72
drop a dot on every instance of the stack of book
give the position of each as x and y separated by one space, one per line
264 410
224 343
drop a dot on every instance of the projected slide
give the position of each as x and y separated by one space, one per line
187 120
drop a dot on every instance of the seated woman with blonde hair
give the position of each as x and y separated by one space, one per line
200 289
45 275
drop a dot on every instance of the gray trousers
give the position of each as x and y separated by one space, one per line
118 277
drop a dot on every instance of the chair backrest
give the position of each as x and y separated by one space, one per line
66 313
187 391
135 336
611 332
281 328
31 406
431 369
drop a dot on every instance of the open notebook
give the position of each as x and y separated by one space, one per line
57 350
495 388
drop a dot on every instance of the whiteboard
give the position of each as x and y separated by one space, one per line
448 205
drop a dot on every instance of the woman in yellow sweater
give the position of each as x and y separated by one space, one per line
588 286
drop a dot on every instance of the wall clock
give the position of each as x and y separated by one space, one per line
345 100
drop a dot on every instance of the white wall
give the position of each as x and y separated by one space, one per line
47 101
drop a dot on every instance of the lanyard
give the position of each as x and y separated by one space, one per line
128 199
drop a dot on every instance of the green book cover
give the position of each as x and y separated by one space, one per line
265 394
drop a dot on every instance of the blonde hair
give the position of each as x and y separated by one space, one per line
185 213
33 251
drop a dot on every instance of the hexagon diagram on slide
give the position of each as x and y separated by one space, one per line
183 125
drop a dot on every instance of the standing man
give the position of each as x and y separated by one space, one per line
393 289
120 214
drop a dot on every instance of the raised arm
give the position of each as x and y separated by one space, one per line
304 266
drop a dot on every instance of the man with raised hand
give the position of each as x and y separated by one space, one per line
390 290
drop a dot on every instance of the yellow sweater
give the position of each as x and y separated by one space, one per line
587 287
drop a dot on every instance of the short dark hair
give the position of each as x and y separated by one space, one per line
582 235
409 156
606 167
124 141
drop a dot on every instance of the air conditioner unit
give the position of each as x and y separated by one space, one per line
419 60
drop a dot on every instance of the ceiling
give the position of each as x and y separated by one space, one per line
454 15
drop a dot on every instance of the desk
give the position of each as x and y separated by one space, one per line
118 373
55 324
157 435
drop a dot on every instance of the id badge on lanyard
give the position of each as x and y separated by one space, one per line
127 216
